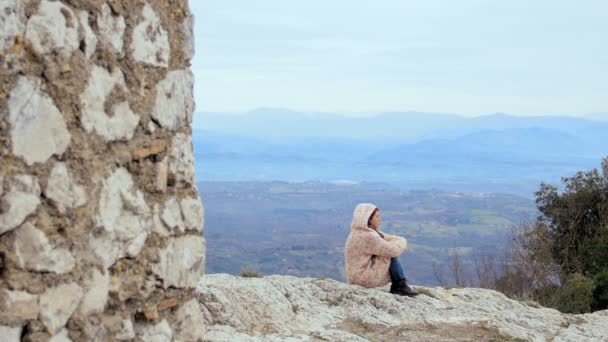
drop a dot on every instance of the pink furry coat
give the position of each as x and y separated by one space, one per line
363 243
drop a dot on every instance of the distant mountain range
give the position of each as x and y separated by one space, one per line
415 150
270 123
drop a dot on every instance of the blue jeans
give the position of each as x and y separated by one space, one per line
396 270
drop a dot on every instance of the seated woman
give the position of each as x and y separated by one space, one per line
372 256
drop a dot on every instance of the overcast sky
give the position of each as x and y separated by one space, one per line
470 57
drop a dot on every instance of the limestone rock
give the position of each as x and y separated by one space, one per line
123 219
57 305
124 331
150 42
181 159
1 185
17 206
157 225
10 334
90 39
174 100
11 22
182 262
18 306
96 288
35 253
53 28
38 130
193 213
188 36
111 28
22 199
172 216
61 336
190 324
160 332
120 125
283 307
63 191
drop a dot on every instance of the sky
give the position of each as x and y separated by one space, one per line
468 57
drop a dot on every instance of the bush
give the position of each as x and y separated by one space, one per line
600 293
250 273
575 296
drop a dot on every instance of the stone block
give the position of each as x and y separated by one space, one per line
64 192
96 288
123 219
12 21
182 262
35 253
174 100
111 29
181 159
110 126
38 129
190 324
54 28
160 332
10 334
18 306
172 216
150 42
58 304
193 213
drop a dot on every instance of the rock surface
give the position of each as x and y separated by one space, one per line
34 252
58 304
38 129
150 40
182 262
285 308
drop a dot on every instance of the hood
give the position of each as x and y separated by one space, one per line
361 215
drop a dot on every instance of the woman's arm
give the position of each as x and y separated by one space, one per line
375 245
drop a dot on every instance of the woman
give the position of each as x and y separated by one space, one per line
371 255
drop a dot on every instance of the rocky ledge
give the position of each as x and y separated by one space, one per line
284 308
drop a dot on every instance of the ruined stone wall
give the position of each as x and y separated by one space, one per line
101 226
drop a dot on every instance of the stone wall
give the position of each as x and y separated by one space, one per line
100 222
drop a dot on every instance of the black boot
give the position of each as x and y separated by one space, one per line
400 287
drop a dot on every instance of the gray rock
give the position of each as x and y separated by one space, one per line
62 189
123 220
61 336
281 307
90 39
18 306
96 288
10 334
193 213
35 253
16 206
125 330
174 100
111 29
172 216
182 262
58 304
53 28
190 324
160 332
122 123
38 130
181 160
11 22
188 36
150 42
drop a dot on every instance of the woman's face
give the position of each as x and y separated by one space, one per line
375 220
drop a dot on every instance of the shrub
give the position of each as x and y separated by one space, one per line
250 273
600 293
575 296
